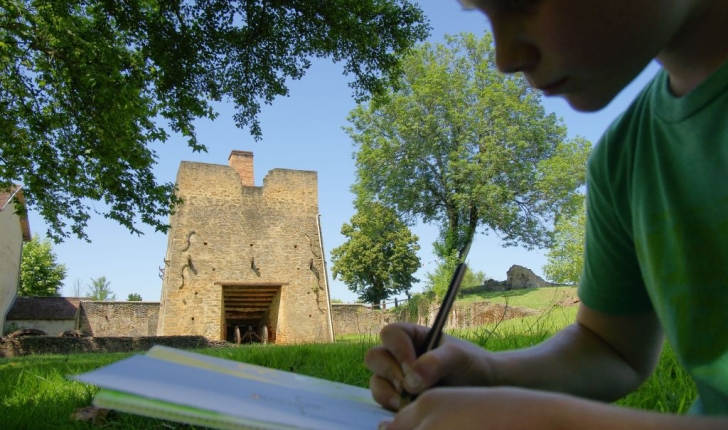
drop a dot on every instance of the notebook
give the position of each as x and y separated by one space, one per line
187 387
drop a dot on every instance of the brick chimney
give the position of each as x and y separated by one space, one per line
242 162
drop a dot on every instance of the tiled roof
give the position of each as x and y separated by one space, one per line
5 197
43 308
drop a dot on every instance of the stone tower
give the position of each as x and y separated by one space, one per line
242 257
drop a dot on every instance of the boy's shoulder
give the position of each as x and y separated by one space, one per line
658 114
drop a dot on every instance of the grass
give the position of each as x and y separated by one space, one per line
35 393
669 389
533 298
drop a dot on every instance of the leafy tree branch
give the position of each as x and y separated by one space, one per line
87 88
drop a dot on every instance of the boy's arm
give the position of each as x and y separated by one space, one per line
522 409
600 357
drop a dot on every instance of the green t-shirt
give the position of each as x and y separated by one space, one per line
657 225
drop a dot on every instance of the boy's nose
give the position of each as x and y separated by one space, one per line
513 52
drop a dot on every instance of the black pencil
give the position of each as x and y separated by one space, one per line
435 333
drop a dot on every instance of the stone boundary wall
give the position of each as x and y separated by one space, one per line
361 319
110 319
16 347
475 314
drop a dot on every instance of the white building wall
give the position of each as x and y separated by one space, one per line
11 247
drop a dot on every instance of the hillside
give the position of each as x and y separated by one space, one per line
533 298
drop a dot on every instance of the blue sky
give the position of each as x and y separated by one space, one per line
302 131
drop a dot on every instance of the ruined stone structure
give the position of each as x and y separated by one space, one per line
240 256
519 277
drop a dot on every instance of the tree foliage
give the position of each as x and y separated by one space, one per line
87 86
566 256
100 289
468 148
473 279
379 258
438 280
134 297
40 273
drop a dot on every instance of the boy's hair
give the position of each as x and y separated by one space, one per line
467 4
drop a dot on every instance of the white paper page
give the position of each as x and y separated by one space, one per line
235 396
262 374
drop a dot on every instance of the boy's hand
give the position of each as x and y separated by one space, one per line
396 367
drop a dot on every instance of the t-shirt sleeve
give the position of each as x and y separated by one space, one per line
611 281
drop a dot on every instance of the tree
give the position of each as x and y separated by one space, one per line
87 86
40 273
468 148
100 289
379 258
134 297
438 281
76 288
473 279
566 255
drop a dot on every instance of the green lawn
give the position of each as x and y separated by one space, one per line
35 393
534 298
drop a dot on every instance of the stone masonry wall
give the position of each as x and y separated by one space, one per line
108 319
225 232
16 347
359 319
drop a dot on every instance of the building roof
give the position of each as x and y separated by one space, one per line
44 308
6 196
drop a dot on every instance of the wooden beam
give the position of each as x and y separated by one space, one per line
244 314
250 284
243 317
246 308
249 303
253 291
253 295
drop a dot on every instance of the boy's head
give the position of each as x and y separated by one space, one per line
584 50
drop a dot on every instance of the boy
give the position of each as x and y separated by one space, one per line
656 257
